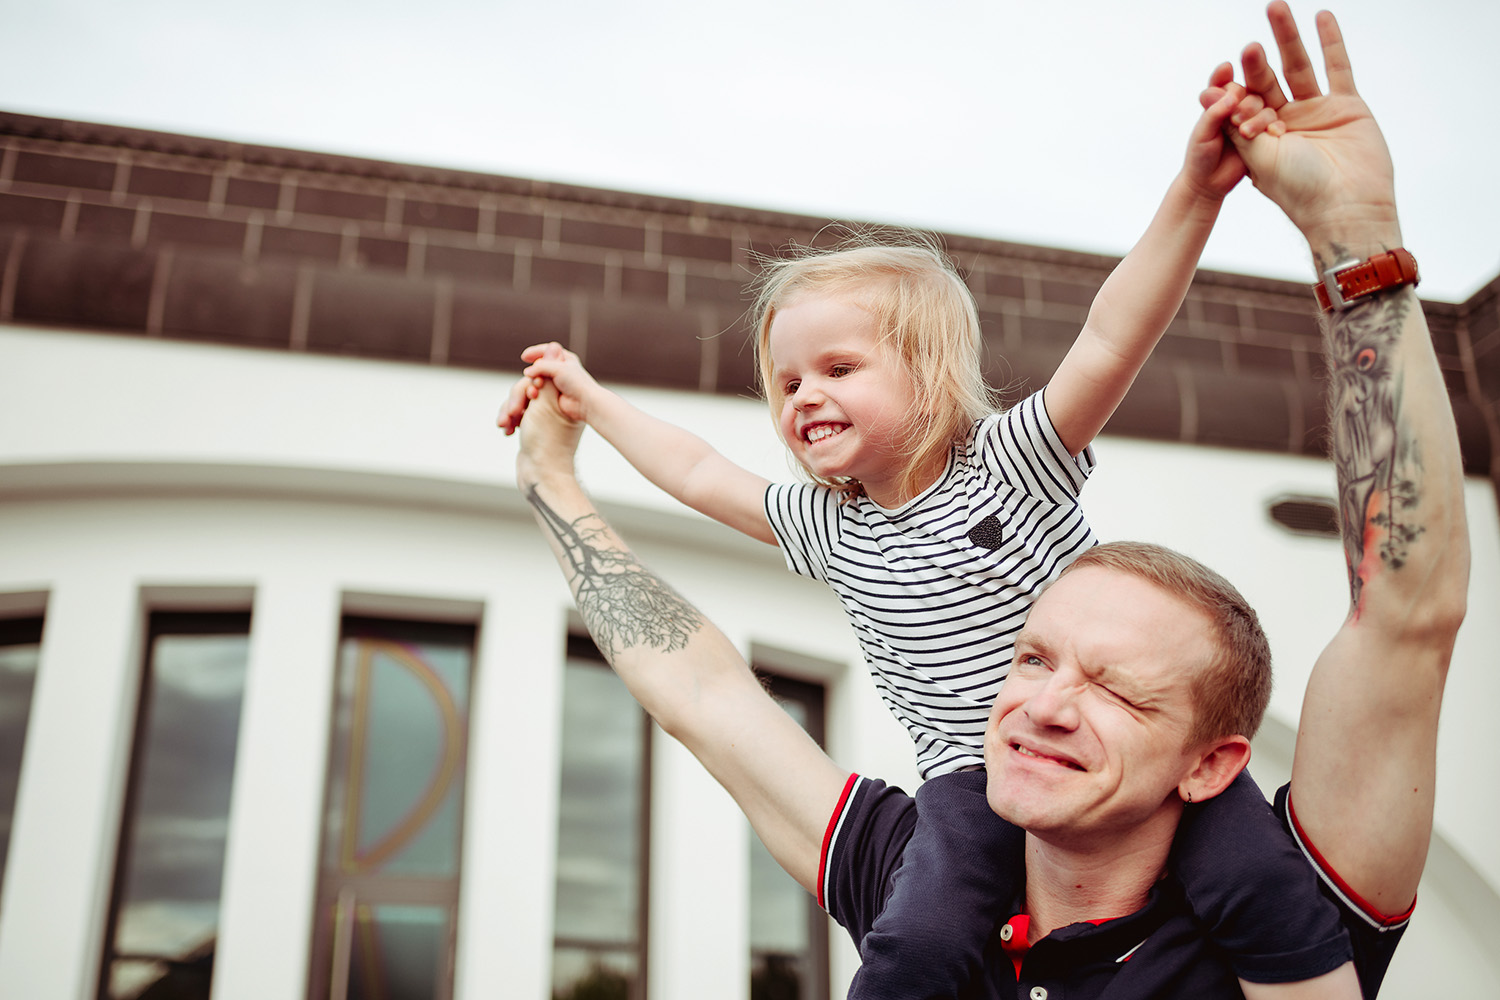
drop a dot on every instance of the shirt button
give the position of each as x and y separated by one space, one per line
1007 932
1038 993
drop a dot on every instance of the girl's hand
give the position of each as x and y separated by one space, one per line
548 363
554 363
1213 166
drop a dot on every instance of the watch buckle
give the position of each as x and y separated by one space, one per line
1331 284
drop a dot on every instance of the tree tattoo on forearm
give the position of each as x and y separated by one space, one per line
622 603
1375 456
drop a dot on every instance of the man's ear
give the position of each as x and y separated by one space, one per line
1219 763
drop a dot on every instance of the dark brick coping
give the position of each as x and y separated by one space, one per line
162 235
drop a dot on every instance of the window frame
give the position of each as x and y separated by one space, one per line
814 696
158 624
581 647
388 890
23 630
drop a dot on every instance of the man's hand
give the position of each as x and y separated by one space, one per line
549 439
516 401
1320 157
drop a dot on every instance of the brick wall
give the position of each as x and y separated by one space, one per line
174 236
1478 339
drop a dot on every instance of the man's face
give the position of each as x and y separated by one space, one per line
1085 743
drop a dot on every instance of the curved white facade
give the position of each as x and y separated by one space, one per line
139 474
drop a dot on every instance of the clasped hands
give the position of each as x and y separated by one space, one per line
1320 157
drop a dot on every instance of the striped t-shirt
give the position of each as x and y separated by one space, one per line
937 589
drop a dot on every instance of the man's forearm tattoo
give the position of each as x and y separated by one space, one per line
1379 470
622 603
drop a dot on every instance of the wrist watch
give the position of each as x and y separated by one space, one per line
1347 282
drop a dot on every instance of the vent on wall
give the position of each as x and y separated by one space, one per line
1306 515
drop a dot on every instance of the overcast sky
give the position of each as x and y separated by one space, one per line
1057 123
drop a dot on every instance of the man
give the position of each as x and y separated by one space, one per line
1128 695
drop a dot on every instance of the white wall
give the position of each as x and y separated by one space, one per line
134 470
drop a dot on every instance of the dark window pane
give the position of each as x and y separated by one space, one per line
166 909
20 648
778 975
788 932
601 844
584 973
396 952
778 930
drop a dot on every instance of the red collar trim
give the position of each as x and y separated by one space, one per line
1015 938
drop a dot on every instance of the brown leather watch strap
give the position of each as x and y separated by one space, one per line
1344 285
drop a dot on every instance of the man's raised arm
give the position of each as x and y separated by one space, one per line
682 669
1363 776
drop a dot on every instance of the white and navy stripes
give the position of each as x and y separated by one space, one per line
937 589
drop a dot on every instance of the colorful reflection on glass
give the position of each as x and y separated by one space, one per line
599 928
166 908
392 831
400 738
20 648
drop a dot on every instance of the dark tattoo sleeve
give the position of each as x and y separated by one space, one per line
1375 456
622 603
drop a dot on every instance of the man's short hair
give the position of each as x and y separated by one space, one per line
1230 693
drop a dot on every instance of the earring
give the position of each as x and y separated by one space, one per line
1190 797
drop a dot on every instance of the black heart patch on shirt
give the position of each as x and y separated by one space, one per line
987 534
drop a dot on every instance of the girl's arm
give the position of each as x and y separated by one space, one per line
1144 292
673 459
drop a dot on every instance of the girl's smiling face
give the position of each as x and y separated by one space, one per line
845 401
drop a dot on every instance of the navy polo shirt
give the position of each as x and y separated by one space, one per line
1160 951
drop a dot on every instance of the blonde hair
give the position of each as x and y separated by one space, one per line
1229 693
925 315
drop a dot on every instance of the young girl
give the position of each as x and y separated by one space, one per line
937 520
